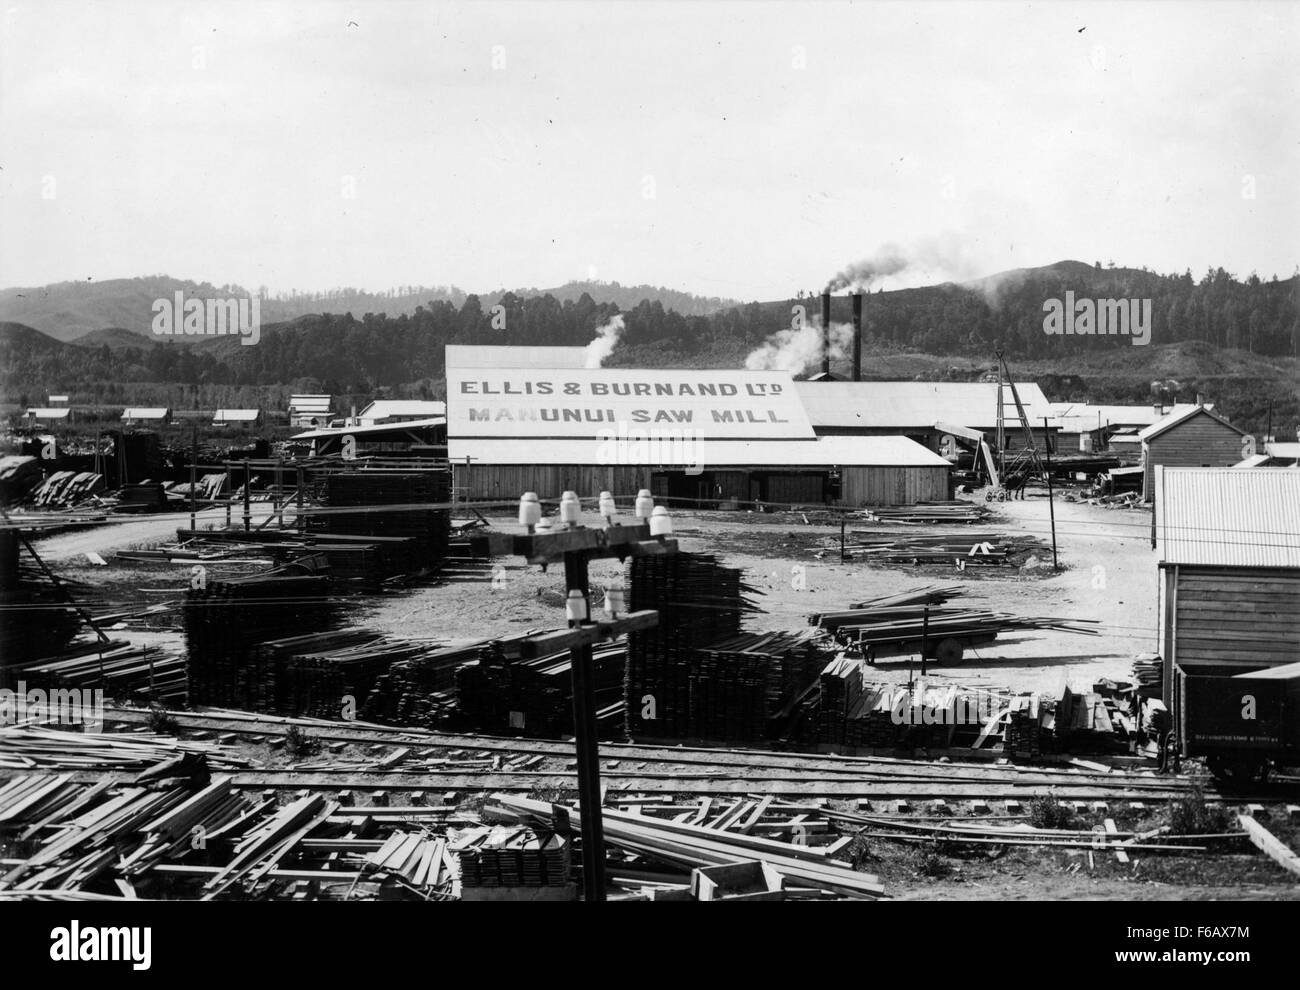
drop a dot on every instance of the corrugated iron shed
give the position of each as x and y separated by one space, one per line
1225 517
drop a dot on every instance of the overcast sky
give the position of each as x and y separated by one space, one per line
746 150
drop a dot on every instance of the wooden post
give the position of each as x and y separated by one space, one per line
194 466
300 521
925 636
230 491
248 484
1051 503
585 742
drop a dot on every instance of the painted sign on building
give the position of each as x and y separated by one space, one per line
582 403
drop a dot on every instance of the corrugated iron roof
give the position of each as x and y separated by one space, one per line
339 431
1079 417
385 408
309 403
477 356
60 413
1180 415
236 415
1222 516
145 412
817 452
897 405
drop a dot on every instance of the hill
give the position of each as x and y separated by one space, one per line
71 310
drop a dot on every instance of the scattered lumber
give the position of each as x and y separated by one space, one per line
691 846
956 511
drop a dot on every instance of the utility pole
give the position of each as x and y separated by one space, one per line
1051 503
194 463
584 735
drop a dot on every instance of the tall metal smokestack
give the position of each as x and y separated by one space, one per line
826 333
857 336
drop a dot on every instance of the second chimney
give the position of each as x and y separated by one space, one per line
857 336
826 333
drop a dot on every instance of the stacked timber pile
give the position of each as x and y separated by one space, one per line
740 684
1023 737
123 671
1100 720
144 496
699 602
505 856
226 621
402 505
501 692
318 682
35 621
1149 673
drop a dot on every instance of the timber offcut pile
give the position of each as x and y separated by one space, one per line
700 602
685 845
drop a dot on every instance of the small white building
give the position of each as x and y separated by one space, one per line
155 415
309 410
237 417
400 411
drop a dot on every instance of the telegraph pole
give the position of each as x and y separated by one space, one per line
1051 504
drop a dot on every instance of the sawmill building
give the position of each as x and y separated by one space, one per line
718 437
923 411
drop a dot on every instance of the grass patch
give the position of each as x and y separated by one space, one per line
297 742
161 722
1193 815
928 861
1048 812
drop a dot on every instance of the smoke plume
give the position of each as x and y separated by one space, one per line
796 350
606 340
936 259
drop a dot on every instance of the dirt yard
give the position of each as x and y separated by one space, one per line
1108 574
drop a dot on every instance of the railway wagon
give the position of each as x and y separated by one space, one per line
1241 723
